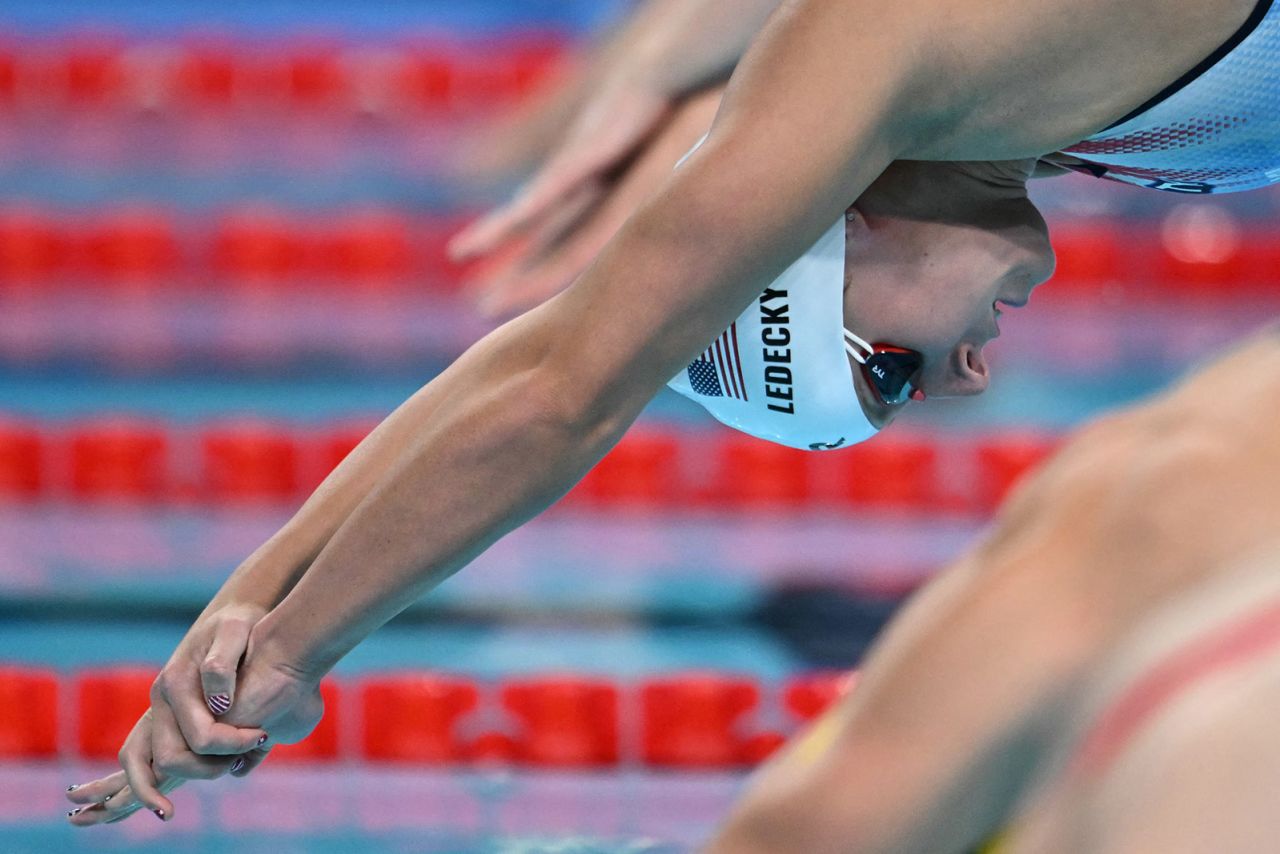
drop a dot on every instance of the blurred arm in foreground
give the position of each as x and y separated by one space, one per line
609 116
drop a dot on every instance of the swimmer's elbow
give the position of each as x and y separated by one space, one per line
566 397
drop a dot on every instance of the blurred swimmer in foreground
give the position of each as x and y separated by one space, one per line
961 701
1175 746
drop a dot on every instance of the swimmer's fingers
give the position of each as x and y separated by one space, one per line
541 277
218 669
525 135
611 128
251 760
174 756
117 806
501 286
550 275
96 791
137 758
102 799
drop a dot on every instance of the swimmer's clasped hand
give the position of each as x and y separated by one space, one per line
179 738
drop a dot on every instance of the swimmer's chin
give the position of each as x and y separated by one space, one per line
880 414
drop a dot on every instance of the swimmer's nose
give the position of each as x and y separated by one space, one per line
969 374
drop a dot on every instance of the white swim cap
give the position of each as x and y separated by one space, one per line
781 371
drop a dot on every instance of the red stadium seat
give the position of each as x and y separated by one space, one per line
132 246
207 75
21 463
372 72
149 71
1205 252
533 59
761 746
1002 462
810 695
434 235
427 77
108 704
565 722
492 748
256 245
1090 258
34 247
369 248
642 471
119 459
893 473
414 717
8 74
86 71
691 721
500 71
330 449
250 461
315 77
322 744
751 473
28 713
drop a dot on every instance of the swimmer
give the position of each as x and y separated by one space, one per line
1174 747
939 113
962 699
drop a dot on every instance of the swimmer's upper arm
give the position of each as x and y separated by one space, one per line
790 149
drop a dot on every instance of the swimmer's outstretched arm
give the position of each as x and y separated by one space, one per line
521 416
961 697
828 96
527 411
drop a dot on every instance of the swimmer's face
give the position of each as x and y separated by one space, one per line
933 253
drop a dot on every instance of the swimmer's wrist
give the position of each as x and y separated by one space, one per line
274 646
267 575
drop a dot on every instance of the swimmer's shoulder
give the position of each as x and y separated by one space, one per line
1037 76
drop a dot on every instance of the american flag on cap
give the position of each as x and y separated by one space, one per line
718 371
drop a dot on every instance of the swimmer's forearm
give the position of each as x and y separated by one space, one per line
677 46
503 448
267 575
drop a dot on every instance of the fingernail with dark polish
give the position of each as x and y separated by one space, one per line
74 811
219 703
73 788
159 814
237 765
262 740
107 798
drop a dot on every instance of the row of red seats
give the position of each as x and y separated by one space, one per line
129 459
1191 254
253 246
425 75
1195 251
650 469
687 720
